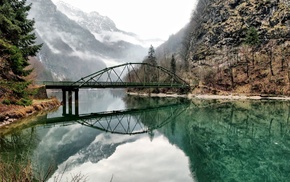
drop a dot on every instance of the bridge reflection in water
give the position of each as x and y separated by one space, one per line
128 122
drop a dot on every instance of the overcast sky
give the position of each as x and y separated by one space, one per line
147 18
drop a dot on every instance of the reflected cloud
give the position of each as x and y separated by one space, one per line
132 160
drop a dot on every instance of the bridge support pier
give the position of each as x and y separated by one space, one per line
63 101
77 102
67 98
70 102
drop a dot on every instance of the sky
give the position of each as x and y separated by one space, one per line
149 19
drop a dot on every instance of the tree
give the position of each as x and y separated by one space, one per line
17 39
151 59
252 37
151 56
173 64
253 40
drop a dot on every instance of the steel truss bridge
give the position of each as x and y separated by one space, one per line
127 122
128 75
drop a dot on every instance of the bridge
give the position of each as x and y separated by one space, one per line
138 76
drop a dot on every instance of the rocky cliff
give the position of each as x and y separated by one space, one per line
224 23
240 46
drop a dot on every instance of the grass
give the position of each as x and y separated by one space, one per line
15 172
23 172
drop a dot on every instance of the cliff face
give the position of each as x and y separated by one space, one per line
225 23
241 46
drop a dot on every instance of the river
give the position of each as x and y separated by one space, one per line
157 139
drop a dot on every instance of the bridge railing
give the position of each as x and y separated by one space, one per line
54 83
112 84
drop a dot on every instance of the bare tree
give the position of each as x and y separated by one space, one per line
270 53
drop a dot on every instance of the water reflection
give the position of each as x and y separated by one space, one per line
138 160
235 141
72 147
206 140
129 121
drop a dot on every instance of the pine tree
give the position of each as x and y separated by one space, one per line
151 56
151 59
17 44
17 39
173 64
252 37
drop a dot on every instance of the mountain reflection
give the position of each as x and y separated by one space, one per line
196 140
235 141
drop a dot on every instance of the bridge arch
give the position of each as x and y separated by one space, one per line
134 75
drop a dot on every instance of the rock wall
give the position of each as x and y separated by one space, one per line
224 23
224 58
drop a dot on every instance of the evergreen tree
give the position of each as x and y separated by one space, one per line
17 40
173 64
252 37
151 59
151 56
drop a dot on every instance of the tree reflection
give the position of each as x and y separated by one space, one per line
18 145
235 141
15 152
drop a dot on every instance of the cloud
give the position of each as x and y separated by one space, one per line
149 19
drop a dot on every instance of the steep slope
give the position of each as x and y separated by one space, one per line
63 53
239 46
102 27
71 51
224 23
174 46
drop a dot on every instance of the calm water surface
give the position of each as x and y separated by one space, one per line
178 140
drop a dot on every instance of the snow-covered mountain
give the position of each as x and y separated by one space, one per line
76 44
102 27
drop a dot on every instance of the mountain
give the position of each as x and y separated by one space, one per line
102 27
225 23
71 48
237 46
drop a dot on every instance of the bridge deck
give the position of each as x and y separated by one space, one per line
73 85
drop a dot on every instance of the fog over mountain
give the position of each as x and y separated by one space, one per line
76 44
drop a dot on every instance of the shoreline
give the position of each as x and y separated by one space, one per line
209 96
20 112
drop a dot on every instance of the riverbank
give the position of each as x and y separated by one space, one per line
12 113
208 96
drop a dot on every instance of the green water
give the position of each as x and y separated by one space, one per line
188 140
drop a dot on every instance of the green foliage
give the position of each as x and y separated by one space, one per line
24 102
15 58
6 102
252 37
151 59
19 93
19 89
17 44
151 56
16 37
173 64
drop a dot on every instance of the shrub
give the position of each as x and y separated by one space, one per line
6 102
24 102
